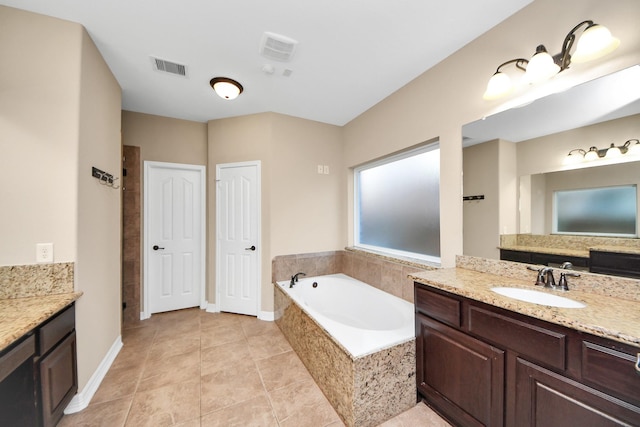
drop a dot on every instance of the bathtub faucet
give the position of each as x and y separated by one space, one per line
294 279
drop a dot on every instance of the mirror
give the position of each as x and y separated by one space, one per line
507 152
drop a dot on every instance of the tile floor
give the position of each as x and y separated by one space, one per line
191 368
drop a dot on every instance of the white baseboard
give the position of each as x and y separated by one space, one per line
81 400
269 316
212 308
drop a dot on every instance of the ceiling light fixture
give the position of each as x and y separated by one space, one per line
594 42
225 87
579 155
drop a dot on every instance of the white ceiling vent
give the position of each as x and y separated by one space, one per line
277 47
169 67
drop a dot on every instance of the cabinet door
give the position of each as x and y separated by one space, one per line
459 375
58 380
544 398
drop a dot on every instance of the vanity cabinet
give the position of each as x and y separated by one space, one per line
480 365
615 263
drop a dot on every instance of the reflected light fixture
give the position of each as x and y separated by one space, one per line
594 42
578 155
225 87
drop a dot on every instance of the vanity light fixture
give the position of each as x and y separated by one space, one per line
226 88
631 147
594 42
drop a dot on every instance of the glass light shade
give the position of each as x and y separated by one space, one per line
634 149
592 154
541 67
574 156
499 85
613 152
226 88
595 41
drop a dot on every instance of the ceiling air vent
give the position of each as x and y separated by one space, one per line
169 67
277 47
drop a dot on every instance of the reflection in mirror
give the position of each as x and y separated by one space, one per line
512 157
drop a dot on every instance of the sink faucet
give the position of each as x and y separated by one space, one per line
294 278
545 278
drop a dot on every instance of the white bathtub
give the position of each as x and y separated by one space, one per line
361 318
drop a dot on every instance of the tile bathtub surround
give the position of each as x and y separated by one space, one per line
599 284
23 281
364 391
193 368
380 271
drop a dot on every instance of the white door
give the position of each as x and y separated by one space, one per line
238 235
174 215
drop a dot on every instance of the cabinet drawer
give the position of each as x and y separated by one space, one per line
611 369
56 329
439 307
533 342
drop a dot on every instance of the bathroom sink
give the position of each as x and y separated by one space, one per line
537 297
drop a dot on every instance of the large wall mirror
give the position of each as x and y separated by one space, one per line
514 162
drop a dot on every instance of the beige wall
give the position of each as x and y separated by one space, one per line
302 211
60 115
440 101
163 139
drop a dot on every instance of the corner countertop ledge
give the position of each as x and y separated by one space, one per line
18 316
608 317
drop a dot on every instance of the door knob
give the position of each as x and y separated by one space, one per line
252 248
156 247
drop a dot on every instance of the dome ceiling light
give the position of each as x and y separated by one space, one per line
226 88
594 42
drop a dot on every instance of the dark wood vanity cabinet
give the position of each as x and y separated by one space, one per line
38 376
56 365
615 263
479 365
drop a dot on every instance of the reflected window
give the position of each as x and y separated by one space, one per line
397 204
607 211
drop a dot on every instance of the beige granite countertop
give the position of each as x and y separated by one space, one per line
609 317
547 250
20 315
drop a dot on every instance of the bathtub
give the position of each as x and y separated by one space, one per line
361 318
357 342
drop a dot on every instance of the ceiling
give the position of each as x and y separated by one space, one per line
350 54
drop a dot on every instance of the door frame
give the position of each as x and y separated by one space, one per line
148 165
258 166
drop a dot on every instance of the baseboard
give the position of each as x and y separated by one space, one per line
269 316
81 400
212 308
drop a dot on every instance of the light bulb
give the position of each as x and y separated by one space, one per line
592 154
613 152
634 149
574 156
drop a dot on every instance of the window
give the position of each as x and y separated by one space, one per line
397 204
607 211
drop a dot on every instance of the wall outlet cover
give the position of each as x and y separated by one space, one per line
44 252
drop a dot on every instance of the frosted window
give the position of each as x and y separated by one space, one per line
597 211
398 204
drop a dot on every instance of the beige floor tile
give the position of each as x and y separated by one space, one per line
255 412
215 320
225 334
106 414
165 406
141 334
317 416
418 416
171 370
229 387
252 326
118 383
268 344
298 397
223 356
171 330
131 355
173 346
281 370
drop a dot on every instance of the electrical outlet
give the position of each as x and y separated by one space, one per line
320 169
326 169
44 252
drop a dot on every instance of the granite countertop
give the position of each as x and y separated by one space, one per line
547 250
604 316
18 316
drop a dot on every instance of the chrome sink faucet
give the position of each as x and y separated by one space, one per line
294 279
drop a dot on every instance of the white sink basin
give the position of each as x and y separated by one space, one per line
537 297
